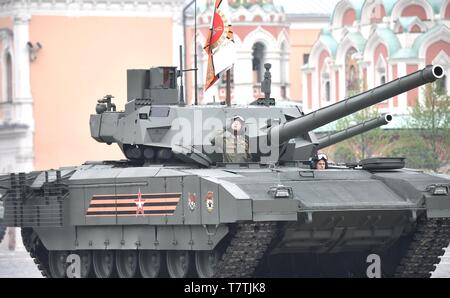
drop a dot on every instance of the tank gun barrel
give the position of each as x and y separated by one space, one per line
360 128
313 120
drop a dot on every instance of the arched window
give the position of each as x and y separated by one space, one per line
377 14
9 78
352 82
349 17
416 29
325 82
415 11
380 71
258 61
283 70
257 19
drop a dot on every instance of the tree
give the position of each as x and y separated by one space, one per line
426 138
363 145
367 144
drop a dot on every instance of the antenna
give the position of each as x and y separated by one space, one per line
180 74
195 53
185 9
265 85
228 89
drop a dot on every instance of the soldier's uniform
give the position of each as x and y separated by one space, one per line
234 146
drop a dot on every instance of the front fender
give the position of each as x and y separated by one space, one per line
438 206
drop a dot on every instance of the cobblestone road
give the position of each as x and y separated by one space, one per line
16 263
19 264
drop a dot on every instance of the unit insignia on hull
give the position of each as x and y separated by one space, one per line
133 204
192 201
210 201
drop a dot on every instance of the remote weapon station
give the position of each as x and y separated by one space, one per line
228 191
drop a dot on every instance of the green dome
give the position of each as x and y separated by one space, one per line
330 43
391 40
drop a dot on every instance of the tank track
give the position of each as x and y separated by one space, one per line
36 249
429 240
246 249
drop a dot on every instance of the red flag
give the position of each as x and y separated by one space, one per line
220 47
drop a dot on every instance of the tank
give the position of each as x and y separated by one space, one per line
2 225
224 190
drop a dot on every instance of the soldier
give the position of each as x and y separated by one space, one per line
232 142
321 162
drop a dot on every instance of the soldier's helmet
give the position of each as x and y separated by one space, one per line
317 157
237 125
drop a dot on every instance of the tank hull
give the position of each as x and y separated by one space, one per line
110 207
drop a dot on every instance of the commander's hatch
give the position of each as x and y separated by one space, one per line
382 163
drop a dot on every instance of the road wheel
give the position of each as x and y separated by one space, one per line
86 269
127 263
103 261
206 262
150 263
180 264
58 263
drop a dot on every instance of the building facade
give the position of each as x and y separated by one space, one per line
58 57
264 33
261 34
370 42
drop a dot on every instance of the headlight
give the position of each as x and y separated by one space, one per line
280 191
438 189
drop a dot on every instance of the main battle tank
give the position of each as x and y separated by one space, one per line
228 191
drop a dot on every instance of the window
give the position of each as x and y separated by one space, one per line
377 14
381 71
169 78
283 92
327 91
352 79
305 58
258 61
9 78
325 81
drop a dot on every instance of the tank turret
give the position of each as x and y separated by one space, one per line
156 127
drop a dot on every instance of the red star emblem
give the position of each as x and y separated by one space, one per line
139 204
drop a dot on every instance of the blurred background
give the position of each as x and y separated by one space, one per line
58 57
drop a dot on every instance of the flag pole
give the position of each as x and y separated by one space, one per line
195 53
228 91
181 75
